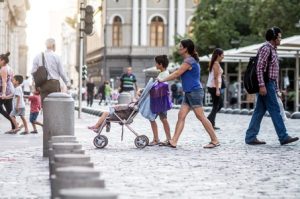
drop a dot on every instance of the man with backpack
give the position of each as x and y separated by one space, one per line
268 91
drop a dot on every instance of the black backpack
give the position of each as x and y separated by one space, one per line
250 75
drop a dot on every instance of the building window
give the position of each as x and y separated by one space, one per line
117 31
157 32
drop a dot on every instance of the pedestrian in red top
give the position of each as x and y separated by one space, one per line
35 107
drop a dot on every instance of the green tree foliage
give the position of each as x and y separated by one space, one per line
267 13
231 23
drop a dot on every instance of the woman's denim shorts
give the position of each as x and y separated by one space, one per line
194 99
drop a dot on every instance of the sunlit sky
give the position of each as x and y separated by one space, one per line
44 20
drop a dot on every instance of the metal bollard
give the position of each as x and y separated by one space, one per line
124 98
75 177
58 117
86 193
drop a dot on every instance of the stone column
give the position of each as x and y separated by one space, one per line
181 17
171 22
58 117
135 23
144 24
2 27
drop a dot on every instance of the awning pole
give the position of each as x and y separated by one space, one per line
239 84
297 78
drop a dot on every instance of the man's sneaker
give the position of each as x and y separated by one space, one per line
256 142
289 140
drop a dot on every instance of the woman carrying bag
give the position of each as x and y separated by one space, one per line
214 84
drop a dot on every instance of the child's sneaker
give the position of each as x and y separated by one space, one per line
34 132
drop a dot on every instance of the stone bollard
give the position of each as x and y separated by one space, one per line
62 139
86 193
66 160
75 177
58 109
124 98
63 148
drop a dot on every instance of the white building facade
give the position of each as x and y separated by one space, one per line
134 32
12 33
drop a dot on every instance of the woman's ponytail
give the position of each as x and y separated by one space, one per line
5 57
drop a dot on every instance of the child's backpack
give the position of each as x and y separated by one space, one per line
250 75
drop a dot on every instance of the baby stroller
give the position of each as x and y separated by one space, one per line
124 115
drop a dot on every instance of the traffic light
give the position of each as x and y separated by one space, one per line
88 19
84 72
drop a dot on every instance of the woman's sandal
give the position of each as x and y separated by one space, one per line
13 131
154 143
167 143
211 145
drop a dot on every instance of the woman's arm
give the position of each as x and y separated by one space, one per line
184 67
4 81
216 68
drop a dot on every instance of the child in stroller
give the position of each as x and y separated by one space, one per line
122 114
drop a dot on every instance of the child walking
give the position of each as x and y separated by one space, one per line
18 105
107 93
35 107
161 63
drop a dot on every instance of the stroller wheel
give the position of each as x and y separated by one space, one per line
141 141
100 141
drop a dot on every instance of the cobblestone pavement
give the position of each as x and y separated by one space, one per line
233 170
24 171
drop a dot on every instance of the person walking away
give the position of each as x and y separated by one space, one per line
90 92
26 86
18 105
214 84
128 83
174 90
35 107
54 68
101 93
268 91
6 89
189 71
107 93
161 63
